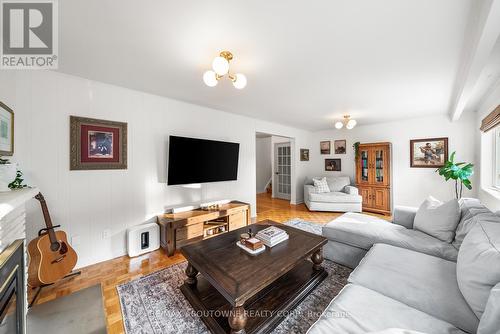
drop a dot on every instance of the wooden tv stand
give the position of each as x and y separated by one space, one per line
179 229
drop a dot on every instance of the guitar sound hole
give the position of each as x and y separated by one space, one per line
64 248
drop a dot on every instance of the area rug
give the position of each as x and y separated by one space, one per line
305 225
154 303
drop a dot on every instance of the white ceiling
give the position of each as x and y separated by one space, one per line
307 63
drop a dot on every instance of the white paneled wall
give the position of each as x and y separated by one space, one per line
88 203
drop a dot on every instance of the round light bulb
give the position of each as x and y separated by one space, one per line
240 81
220 65
351 124
210 78
339 125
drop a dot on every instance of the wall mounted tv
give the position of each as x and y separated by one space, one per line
192 160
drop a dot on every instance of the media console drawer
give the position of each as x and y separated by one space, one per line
189 231
237 220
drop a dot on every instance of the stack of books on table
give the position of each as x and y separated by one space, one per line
272 236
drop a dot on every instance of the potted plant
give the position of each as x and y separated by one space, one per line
459 172
8 172
355 146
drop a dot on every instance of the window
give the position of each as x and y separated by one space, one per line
496 159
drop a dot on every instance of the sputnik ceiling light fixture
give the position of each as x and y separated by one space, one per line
220 67
348 122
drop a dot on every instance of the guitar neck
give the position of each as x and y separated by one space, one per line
46 217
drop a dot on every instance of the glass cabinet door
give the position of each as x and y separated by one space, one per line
365 165
380 166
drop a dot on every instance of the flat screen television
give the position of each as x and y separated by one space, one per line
192 160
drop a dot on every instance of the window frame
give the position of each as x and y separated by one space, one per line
496 159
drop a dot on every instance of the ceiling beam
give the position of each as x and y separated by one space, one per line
483 33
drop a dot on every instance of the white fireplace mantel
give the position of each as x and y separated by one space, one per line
13 215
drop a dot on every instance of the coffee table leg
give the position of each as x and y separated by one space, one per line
317 259
237 320
191 273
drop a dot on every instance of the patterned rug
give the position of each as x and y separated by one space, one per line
154 303
315 228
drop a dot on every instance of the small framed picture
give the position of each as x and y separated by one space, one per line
428 153
97 144
304 154
325 147
340 146
6 130
333 165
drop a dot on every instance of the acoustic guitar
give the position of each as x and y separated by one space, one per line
50 256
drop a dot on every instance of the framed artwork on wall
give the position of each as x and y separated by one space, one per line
6 130
340 146
304 154
97 144
333 165
325 147
429 152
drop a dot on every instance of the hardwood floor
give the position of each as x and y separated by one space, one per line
114 272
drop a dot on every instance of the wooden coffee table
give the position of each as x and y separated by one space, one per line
240 293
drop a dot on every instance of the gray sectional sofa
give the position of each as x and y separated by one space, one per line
405 279
342 196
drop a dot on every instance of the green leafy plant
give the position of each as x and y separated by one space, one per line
459 172
18 181
356 149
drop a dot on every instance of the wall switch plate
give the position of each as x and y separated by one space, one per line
75 240
106 233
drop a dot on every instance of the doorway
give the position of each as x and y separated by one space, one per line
274 166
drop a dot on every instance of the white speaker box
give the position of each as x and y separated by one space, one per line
143 239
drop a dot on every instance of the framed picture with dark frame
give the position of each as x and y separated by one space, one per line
304 154
428 152
6 130
340 146
97 144
333 165
324 147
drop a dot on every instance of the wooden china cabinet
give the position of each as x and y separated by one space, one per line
373 177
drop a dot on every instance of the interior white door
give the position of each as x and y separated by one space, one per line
283 170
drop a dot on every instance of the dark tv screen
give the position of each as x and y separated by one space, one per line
192 160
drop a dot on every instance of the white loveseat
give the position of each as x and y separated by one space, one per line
342 196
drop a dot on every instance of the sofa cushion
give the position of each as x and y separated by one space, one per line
438 219
337 183
364 231
490 321
360 310
320 185
478 264
470 208
426 283
335 197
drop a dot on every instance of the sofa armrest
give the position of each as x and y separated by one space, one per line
404 216
308 189
351 190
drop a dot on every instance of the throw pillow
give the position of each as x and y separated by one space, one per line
321 185
438 219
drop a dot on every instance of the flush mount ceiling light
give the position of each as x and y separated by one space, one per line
220 67
347 122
